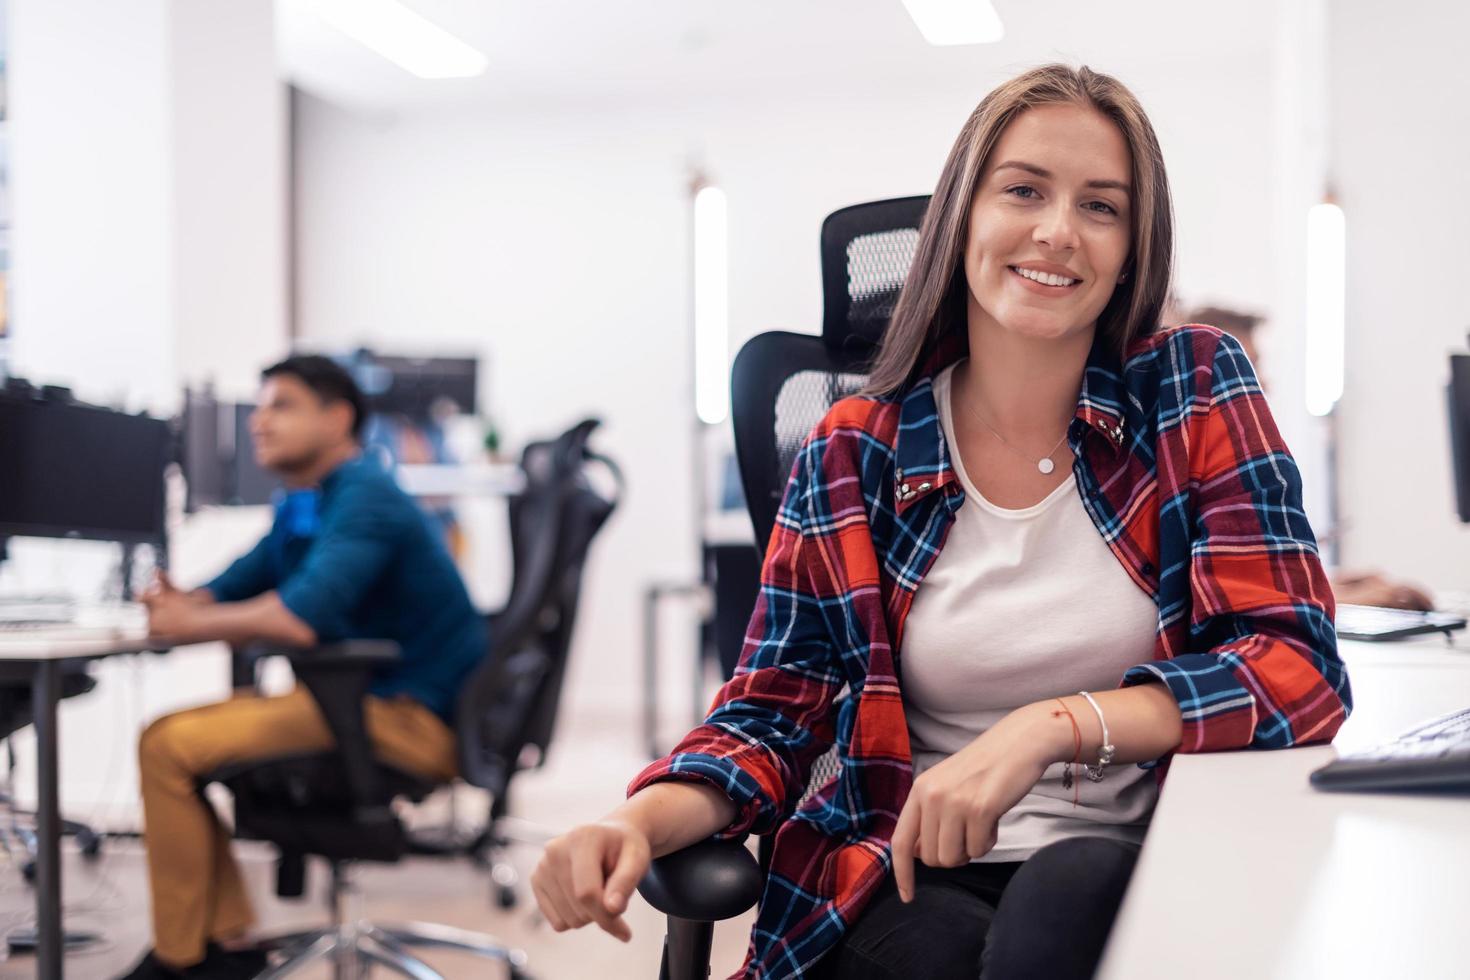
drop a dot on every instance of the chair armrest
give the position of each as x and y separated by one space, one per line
343 654
338 676
705 882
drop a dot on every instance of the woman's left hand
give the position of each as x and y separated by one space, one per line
953 809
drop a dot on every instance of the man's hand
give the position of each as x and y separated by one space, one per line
953 810
194 617
170 611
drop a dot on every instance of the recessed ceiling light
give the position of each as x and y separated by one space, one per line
947 22
409 40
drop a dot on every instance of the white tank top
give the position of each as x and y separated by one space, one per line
1022 606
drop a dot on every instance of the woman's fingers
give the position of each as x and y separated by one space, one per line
929 832
547 906
950 851
979 835
585 866
905 835
553 903
587 875
629 866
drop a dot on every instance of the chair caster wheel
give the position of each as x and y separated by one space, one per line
91 845
505 897
28 871
519 974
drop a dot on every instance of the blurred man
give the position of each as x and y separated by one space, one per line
348 556
1357 587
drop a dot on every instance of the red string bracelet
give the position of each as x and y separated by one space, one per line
1067 779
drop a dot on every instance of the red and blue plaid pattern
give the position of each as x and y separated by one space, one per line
1183 471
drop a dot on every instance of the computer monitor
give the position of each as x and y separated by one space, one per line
206 470
1459 407
410 386
218 457
251 484
75 470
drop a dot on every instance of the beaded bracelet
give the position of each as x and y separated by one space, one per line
1106 750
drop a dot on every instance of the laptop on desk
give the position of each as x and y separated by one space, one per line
1374 623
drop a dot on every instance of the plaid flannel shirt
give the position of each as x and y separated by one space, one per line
1186 477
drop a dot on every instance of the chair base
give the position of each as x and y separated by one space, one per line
355 948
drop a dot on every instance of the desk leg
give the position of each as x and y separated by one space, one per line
44 695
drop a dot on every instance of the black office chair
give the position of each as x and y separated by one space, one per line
782 385
585 513
15 714
337 804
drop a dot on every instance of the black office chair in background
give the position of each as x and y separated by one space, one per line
338 805
585 512
782 385
18 826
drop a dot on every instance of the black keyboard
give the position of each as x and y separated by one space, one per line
1376 623
1432 756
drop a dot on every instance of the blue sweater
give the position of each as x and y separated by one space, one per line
357 559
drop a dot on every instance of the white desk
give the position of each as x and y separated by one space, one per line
1249 872
39 657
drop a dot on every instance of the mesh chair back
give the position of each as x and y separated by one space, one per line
866 253
784 383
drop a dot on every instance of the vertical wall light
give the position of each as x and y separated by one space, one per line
711 306
1326 305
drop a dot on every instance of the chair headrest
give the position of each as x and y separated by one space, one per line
866 253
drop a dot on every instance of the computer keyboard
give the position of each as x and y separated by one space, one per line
1431 756
71 618
1377 623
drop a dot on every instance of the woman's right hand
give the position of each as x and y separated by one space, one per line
588 875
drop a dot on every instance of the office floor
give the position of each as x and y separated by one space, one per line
111 896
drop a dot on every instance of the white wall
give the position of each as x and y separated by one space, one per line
148 177
556 246
1401 147
148 183
229 193
91 176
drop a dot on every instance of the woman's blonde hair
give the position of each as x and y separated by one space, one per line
932 303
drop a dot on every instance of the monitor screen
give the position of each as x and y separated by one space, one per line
1459 397
251 484
205 467
76 470
411 386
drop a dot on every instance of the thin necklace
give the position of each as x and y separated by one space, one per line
1044 464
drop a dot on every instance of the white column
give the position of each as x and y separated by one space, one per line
1300 169
91 178
148 148
148 145
229 193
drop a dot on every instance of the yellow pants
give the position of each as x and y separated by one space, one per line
198 894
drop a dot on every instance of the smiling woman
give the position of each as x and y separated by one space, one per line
1104 156
1080 536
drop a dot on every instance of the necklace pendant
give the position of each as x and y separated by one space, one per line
1046 465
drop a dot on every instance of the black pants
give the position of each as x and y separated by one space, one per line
1045 918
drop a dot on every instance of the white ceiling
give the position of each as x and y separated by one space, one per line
599 53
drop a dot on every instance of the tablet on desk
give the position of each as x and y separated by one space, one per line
1376 623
